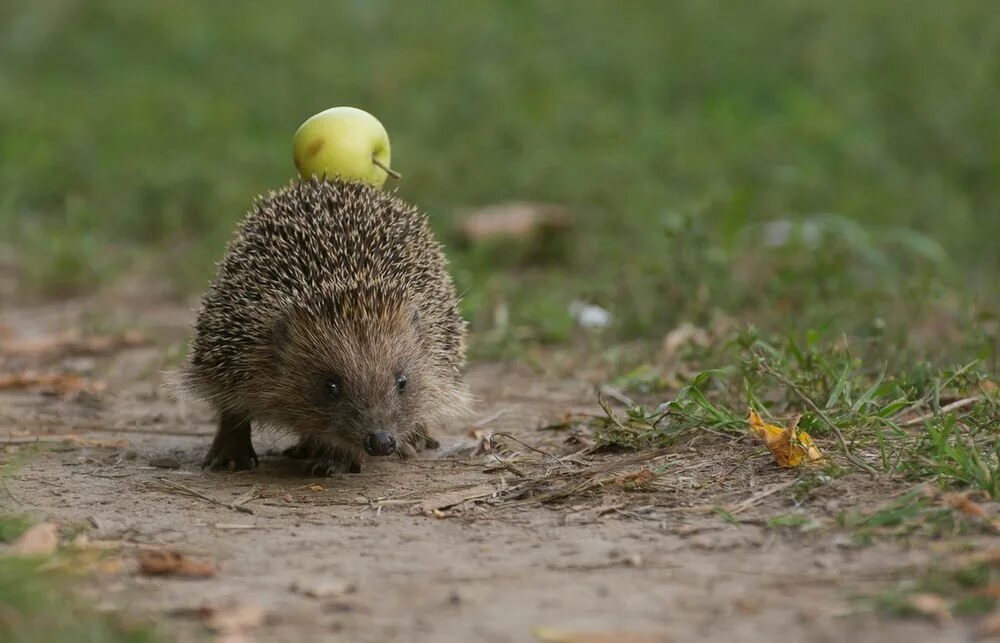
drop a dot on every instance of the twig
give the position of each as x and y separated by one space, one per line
740 507
188 491
928 397
507 465
617 395
819 412
388 170
954 406
524 444
3 483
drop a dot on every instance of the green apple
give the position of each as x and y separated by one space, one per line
343 142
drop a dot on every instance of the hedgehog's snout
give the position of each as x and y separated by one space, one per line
380 443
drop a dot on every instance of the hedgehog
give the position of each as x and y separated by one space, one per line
332 317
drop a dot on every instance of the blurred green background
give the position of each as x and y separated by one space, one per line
782 162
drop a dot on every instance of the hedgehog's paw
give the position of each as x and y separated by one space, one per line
232 454
332 461
418 440
232 448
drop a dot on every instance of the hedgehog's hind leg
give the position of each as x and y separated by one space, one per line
232 446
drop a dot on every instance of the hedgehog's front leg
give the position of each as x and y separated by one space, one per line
324 459
232 447
416 440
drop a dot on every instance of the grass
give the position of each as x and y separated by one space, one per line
964 589
835 172
37 604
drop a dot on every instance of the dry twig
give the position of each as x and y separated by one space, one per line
176 487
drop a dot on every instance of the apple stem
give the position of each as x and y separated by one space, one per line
388 170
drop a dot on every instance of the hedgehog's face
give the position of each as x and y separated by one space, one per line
363 384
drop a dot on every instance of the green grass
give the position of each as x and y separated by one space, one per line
964 590
37 604
133 135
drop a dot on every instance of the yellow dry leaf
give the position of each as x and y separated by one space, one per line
790 447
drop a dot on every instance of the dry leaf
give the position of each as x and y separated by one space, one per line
684 335
72 343
930 605
162 562
790 447
962 502
637 480
991 591
989 557
94 442
62 383
324 589
559 635
40 540
232 619
515 220
316 487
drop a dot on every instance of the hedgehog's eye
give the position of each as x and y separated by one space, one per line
334 387
401 383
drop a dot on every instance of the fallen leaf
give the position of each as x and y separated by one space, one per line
684 335
635 481
559 635
324 589
72 343
991 591
62 383
931 605
316 487
163 562
40 540
232 619
790 447
515 220
963 503
989 557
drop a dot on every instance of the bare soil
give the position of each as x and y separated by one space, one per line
448 547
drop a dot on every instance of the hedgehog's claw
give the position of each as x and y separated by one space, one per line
217 459
421 439
323 460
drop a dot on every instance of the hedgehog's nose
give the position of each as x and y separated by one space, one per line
380 443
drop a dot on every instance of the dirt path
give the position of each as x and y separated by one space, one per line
396 556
